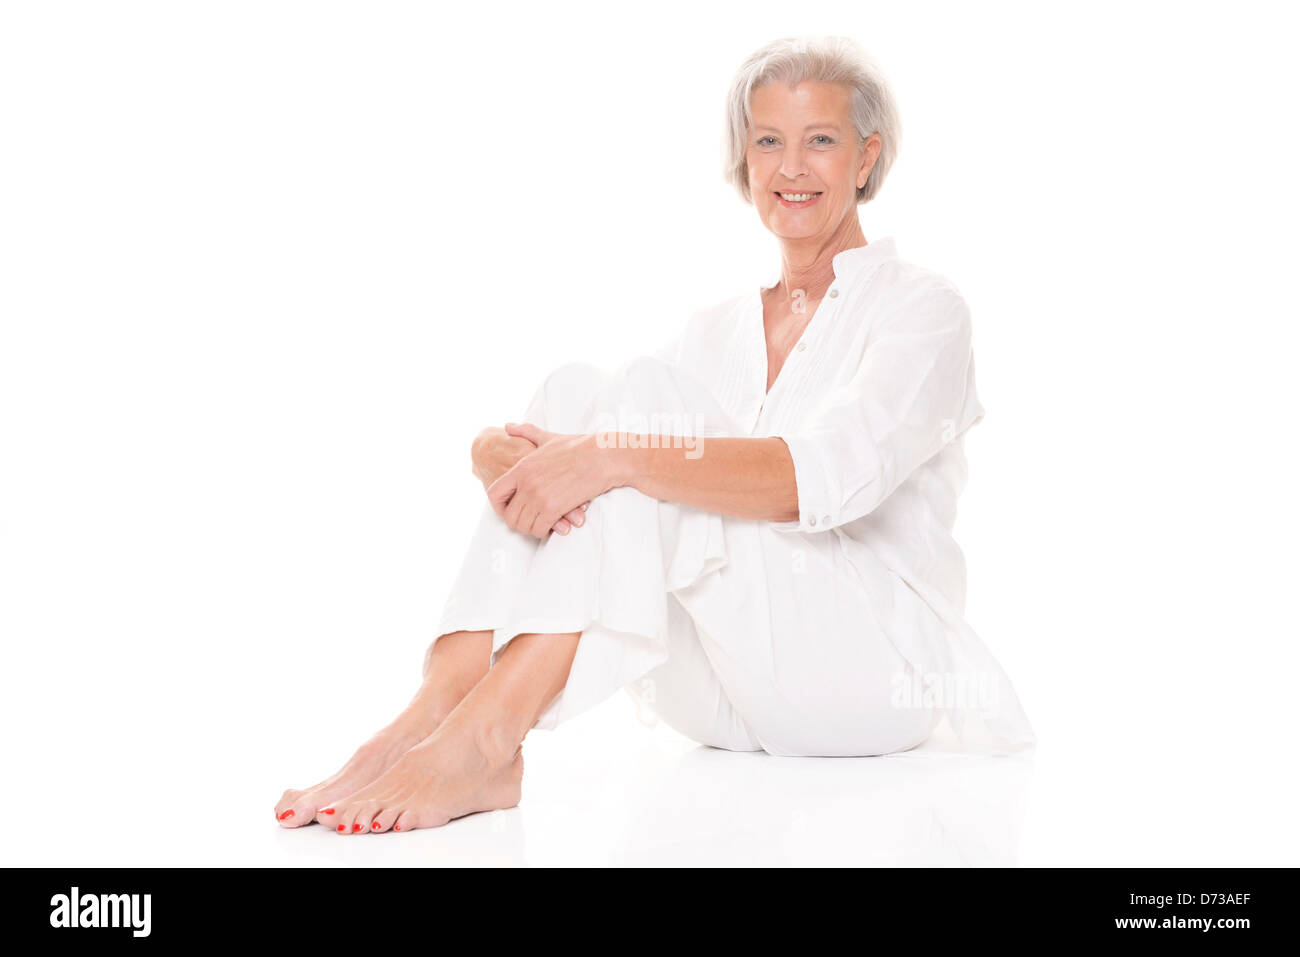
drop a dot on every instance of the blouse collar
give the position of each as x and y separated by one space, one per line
850 263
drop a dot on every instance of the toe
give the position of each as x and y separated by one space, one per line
405 822
297 813
344 816
284 808
384 820
354 817
365 815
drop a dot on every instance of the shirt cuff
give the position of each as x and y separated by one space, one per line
818 499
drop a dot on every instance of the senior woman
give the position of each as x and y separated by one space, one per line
753 527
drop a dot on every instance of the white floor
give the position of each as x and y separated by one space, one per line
611 789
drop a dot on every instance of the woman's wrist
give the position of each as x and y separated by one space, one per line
612 460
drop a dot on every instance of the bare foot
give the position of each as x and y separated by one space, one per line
453 665
372 759
442 778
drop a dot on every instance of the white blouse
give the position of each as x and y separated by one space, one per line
873 402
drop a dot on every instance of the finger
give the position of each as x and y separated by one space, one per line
526 430
501 492
562 527
530 521
512 512
516 436
576 518
546 520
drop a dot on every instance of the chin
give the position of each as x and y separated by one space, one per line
784 229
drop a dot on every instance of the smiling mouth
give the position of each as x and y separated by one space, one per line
797 200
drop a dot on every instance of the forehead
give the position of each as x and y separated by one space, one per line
809 103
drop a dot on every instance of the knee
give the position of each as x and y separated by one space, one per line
650 395
564 395
649 378
649 368
574 377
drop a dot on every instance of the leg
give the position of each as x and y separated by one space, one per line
459 657
574 619
473 762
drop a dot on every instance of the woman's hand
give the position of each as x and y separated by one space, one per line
543 486
495 452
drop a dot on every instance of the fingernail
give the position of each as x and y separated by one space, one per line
342 828
584 505
327 810
355 828
286 815
578 520
374 826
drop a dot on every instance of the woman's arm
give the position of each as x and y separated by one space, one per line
744 477
912 395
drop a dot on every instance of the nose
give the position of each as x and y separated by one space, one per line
793 164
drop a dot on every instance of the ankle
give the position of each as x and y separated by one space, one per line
409 728
496 744
433 702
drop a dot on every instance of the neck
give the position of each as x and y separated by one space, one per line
807 263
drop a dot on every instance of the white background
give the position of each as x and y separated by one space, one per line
265 268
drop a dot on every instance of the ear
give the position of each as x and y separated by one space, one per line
870 152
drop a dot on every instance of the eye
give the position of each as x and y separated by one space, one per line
821 139
766 141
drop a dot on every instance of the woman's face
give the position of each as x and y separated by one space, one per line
805 165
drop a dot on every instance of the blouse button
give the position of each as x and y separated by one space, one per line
812 519
803 346
834 293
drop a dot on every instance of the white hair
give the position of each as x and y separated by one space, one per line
793 60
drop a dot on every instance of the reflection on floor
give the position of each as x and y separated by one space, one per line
606 790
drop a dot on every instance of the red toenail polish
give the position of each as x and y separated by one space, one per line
342 828
327 810
397 827
374 826
286 815
355 828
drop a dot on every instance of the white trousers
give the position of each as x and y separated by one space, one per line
737 635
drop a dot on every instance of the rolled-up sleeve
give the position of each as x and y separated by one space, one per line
913 393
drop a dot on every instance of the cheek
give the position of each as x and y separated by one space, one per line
761 167
837 172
